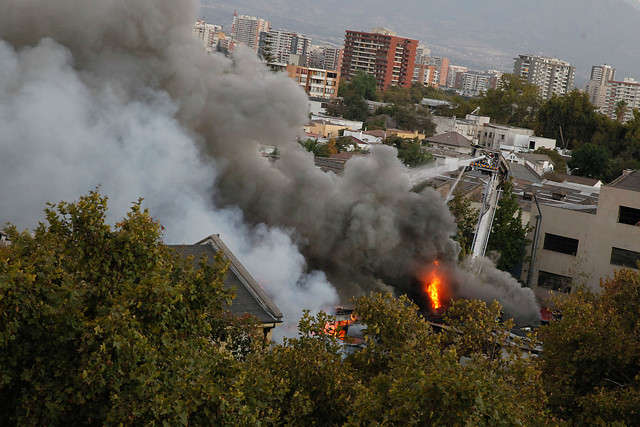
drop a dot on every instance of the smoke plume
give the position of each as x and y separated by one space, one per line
120 94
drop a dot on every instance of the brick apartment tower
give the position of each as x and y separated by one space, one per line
389 58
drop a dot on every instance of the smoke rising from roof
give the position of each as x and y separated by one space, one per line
119 94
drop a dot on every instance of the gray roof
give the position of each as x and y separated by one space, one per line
524 173
453 139
250 298
628 181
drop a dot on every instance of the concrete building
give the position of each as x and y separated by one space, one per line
596 89
389 58
493 135
452 75
442 66
470 127
246 30
551 75
280 44
627 91
582 236
208 34
474 83
316 82
451 141
428 75
326 57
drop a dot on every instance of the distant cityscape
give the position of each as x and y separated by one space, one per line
400 61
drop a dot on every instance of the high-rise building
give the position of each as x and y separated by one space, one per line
325 57
389 58
316 82
428 75
279 44
441 64
209 34
597 87
454 76
623 95
246 30
551 75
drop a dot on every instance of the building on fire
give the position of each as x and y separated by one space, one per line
250 298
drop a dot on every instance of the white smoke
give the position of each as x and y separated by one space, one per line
119 94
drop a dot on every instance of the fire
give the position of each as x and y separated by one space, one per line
433 282
434 292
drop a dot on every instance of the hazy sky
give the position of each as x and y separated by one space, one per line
482 35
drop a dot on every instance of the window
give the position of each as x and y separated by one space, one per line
555 282
624 258
629 216
565 245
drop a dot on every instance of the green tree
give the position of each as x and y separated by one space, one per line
413 376
508 235
466 220
570 118
410 151
361 84
515 102
591 358
109 326
590 160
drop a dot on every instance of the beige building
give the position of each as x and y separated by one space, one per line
582 241
316 82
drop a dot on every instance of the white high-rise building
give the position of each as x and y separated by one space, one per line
551 75
246 31
207 33
597 87
282 43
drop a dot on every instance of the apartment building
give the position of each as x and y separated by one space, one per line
280 44
441 64
246 31
551 75
473 83
389 58
627 92
326 57
454 74
316 82
208 34
596 89
584 237
428 75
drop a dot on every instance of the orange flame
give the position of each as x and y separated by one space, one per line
434 292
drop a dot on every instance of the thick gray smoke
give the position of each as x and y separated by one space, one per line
118 93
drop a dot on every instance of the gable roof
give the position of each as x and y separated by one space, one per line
250 298
627 181
453 139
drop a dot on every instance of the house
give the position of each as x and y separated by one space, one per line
539 163
250 298
451 141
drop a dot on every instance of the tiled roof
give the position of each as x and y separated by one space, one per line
450 138
250 298
628 181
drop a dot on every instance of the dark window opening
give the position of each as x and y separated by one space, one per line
628 215
565 245
625 258
555 282
532 145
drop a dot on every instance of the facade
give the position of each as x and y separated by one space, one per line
246 31
428 75
209 34
453 73
325 57
597 87
442 66
280 44
582 242
551 75
494 136
451 141
627 91
473 83
316 82
389 58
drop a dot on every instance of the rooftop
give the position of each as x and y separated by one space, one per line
450 138
628 181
